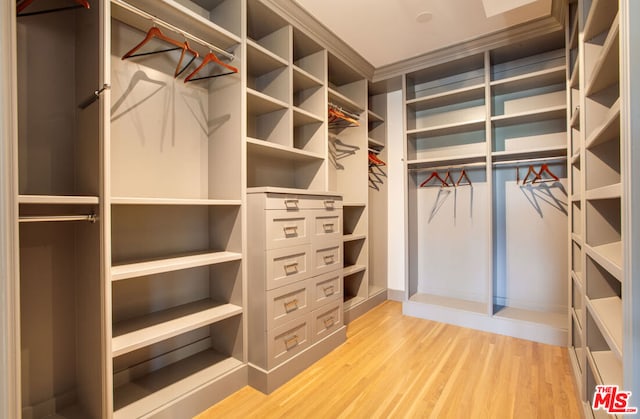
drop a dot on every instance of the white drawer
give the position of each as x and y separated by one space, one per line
288 340
289 202
287 303
327 257
288 265
286 229
326 320
327 288
327 224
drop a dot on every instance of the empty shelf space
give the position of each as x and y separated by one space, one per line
140 332
353 237
120 200
375 290
546 152
58 200
261 103
268 149
551 319
607 313
601 16
304 80
375 143
605 73
354 204
351 302
353 269
447 129
177 15
339 99
374 117
609 256
547 77
261 60
302 117
150 392
449 302
555 112
609 130
605 192
464 94
608 366
144 268
444 161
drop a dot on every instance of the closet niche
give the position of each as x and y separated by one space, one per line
176 180
59 142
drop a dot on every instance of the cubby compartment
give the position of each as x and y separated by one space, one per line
458 78
603 166
528 137
58 122
347 87
149 239
602 59
155 375
355 254
428 115
591 382
577 344
167 136
355 288
60 316
268 121
267 73
602 122
353 220
533 62
285 168
603 236
576 259
607 364
444 145
576 180
268 30
604 293
576 219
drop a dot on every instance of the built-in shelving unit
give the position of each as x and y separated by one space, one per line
493 115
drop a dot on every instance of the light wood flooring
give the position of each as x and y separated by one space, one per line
393 366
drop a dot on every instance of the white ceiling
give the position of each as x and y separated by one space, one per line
386 31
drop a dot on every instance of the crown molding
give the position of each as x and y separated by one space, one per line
481 44
304 21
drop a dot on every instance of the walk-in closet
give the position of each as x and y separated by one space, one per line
216 206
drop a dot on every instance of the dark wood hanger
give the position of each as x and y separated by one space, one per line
23 4
436 176
531 171
210 58
463 174
545 169
155 33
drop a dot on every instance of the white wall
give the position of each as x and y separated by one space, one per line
397 184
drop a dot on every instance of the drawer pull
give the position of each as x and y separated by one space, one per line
290 230
329 259
290 306
329 203
291 268
330 290
291 342
329 321
328 227
291 203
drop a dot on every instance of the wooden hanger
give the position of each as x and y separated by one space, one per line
375 160
531 171
437 176
154 32
448 179
23 4
463 174
210 58
338 116
545 169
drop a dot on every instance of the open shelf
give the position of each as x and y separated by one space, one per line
339 99
303 80
263 104
609 130
138 269
607 315
609 256
608 366
58 200
375 143
449 302
536 79
352 301
606 69
121 200
547 318
374 117
464 94
443 161
352 237
447 129
353 269
153 390
555 112
600 18
605 192
261 59
267 149
546 152
136 333
303 117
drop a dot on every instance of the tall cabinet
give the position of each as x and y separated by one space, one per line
602 332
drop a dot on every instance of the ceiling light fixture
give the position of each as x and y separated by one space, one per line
424 17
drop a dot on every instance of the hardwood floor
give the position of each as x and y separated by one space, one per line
393 366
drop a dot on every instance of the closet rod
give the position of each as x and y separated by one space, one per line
169 26
525 161
451 166
57 218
